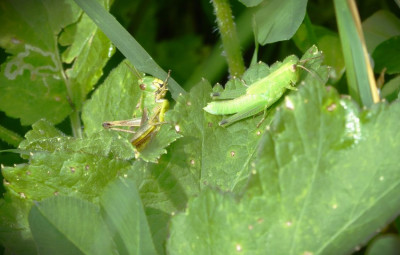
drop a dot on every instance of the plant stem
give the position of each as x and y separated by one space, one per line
229 37
10 137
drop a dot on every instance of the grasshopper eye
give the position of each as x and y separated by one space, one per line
142 86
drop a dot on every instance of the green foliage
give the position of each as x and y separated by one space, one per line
318 176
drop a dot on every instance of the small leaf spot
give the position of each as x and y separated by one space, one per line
334 206
210 124
238 247
125 176
289 223
173 214
87 167
22 195
28 173
189 103
254 171
55 193
260 220
192 162
381 178
72 169
6 182
357 248
232 153
251 227
307 253
258 132
30 153
177 128
58 139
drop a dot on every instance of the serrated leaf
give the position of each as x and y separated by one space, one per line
32 83
58 165
125 217
156 147
66 225
325 179
118 98
90 50
30 80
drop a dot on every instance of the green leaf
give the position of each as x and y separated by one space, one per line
118 98
379 27
33 84
386 56
278 20
327 41
66 225
131 49
58 165
325 178
391 89
89 50
125 217
250 3
156 147
388 244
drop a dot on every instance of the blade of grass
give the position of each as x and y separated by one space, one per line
128 46
360 78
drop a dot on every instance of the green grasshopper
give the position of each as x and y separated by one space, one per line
258 96
153 105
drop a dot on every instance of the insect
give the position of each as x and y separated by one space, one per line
258 96
153 105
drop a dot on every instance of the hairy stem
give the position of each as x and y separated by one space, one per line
229 37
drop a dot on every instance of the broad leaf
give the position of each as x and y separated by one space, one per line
324 180
125 217
66 225
33 84
278 20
